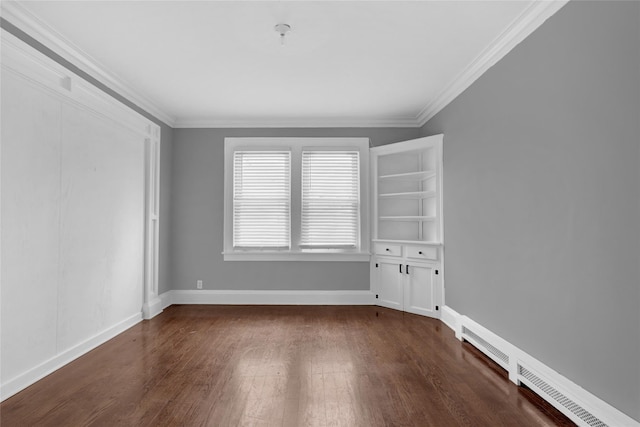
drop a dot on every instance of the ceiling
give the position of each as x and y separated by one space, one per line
344 63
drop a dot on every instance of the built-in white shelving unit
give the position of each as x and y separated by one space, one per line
407 181
407 225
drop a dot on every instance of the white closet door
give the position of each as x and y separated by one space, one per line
102 225
73 205
30 218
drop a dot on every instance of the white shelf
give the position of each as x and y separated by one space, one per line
409 195
408 218
409 176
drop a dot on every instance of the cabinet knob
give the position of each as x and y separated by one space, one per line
387 249
420 252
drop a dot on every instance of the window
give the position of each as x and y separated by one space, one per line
261 199
296 199
330 199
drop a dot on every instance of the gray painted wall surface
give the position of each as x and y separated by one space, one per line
198 211
165 148
542 198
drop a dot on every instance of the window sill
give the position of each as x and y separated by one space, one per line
297 256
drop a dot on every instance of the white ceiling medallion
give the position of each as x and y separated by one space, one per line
282 29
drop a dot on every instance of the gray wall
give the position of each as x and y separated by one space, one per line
198 210
542 198
164 283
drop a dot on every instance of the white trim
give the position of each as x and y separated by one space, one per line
269 297
450 318
24 380
25 20
349 122
297 256
518 359
166 299
152 308
527 22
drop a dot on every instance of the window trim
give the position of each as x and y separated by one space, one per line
297 145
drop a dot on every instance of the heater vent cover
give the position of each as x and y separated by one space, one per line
553 395
488 348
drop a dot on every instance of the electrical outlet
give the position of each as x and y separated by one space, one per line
199 284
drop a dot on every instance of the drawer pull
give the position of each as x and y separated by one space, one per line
420 252
388 250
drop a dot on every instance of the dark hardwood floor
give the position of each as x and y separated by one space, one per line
281 366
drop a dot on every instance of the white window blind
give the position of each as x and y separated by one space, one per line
261 199
330 199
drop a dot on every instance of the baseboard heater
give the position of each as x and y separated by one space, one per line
510 358
558 399
495 354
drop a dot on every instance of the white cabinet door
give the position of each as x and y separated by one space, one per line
389 283
419 289
403 285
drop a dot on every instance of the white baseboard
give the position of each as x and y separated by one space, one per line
165 299
24 380
579 405
267 297
152 308
450 317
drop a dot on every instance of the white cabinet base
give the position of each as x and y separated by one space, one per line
404 281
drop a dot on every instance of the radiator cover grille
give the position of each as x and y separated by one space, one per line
552 393
490 348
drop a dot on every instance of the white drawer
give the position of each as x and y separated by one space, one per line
421 252
388 249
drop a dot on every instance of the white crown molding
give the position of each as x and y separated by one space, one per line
528 21
22 18
297 123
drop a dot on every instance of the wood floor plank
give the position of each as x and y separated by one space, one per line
281 366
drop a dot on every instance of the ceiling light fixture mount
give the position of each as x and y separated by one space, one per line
282 29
